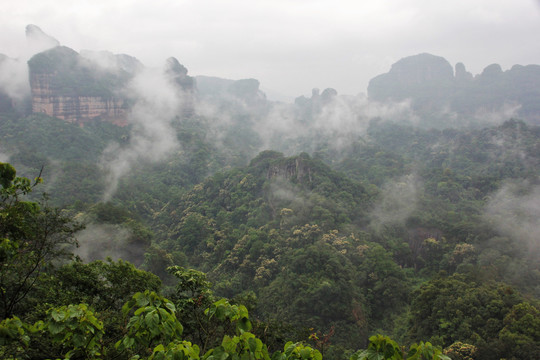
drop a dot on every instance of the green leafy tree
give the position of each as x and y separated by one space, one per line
521 333
152 322
380 348
384 348
32 236
77 330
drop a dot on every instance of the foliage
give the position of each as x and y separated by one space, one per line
382 347
456 308
75 327
304 236
32 237
153 321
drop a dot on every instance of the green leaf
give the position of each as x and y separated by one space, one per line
252 343
58 315
244 324
160 347
56 328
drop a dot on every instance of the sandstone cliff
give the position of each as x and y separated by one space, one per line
66 86
293 169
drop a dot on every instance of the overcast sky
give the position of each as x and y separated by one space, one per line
291 46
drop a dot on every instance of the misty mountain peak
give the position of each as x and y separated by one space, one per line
177 73
410 75
108 60
38 40
423 67
173 66
462 74
492 71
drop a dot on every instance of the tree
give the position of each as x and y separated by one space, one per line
457 308
383 348
32 236
521 333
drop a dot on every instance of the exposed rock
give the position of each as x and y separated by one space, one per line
429 83
327 95
225 90
493 70
296 169
423 76
310 108
38 41
63 85
248 90
210 86
76 109
177 73
462 75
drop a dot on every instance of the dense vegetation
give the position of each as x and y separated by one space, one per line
426 235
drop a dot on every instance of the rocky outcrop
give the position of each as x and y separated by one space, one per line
177 74
295 169
38 41
462 75
429 82
308 108
66 86
75 109
226 90
425 78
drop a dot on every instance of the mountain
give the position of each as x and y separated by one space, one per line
432 86
351 219
65 86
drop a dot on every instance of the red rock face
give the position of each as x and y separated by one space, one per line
75 109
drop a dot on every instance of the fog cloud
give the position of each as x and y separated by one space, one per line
497 116
99 241
337 123
157 102
514 211
398 201
14 71
4 157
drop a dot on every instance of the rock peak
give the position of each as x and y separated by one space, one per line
38 40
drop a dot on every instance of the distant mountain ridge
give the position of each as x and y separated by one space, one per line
90 85
431 84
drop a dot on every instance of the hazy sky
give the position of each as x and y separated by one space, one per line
291 46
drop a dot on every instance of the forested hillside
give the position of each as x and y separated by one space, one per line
330 220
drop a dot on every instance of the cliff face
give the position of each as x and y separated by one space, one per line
425 78
293 169
65 85
76 109
81 89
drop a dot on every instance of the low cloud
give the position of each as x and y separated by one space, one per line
4 157
100 241
14 71
514 211
497 116
398 201
337 123
14 79
153 138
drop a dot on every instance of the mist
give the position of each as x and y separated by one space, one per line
399 199
514 211
14 71
101 241
153 138
336 123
